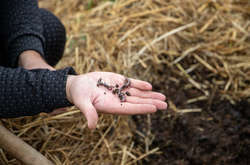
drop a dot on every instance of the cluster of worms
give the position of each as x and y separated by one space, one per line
115 89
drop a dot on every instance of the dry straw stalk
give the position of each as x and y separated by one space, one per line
205 44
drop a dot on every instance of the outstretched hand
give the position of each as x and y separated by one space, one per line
84 93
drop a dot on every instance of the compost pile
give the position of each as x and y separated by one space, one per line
195 52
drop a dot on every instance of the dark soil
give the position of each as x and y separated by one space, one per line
220 134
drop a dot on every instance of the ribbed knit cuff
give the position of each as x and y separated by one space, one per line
54 93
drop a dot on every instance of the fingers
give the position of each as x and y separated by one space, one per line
89 112
157 103
146 94
143 85
135 83
131 109
117 78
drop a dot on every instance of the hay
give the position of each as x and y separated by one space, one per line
204 43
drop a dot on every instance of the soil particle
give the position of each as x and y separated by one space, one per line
128 94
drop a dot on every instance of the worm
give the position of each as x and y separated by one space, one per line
115 89
101 82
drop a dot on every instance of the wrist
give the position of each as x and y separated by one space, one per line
26 57
31 59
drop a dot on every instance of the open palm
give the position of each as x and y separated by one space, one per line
89 98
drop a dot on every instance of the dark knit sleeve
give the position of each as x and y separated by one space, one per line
29 92
25 30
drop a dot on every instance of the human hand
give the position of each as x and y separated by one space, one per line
31 59
83 92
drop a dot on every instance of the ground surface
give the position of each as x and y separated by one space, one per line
220 134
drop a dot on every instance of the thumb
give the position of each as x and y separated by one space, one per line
89 111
